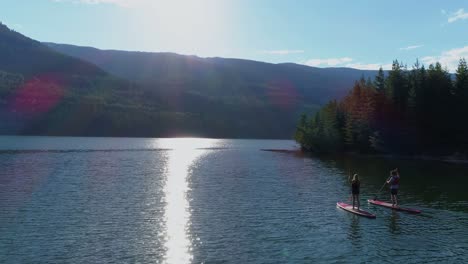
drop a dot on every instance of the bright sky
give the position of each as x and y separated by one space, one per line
332 33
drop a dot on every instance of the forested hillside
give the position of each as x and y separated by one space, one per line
407 111
43 92
88 92
226 97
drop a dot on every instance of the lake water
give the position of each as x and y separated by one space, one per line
119 200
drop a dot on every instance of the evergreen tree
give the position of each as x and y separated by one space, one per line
397 87
417 111
414 83
379 81
331 131
359 108
438 106
461 101
461 82
301 131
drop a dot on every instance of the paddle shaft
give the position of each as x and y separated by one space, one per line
375 197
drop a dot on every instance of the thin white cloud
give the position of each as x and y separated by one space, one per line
282 52
459 15
449 58
122 3
327 62
411 47
346 62
443 12
369 66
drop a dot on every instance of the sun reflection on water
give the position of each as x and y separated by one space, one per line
184 152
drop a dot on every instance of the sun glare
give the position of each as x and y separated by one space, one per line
181 156
183 26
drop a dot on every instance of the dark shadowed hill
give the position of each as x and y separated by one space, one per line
29 57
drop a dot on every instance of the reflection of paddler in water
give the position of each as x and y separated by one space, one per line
355 229
394 222
355 189
394 182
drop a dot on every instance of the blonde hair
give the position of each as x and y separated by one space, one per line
356 177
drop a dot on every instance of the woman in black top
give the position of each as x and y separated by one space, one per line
355 186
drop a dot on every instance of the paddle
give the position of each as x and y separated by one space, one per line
375 197
349 177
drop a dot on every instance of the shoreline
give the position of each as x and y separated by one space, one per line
454 158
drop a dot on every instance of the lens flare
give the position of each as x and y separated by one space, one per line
37 96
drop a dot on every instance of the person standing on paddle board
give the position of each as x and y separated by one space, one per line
394 182
355 187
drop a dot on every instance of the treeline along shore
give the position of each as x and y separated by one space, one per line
403 111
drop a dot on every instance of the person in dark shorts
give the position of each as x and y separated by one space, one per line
394 182
355 188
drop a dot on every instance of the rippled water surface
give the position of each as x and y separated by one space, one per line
111 200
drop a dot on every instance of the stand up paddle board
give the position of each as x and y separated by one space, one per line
389 205
349 208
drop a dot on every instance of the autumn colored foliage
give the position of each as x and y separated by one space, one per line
405 111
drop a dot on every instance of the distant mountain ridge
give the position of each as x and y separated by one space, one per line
54 89
222 75
255 96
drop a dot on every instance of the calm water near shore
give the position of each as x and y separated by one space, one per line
122 200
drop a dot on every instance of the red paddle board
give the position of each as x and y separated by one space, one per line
389 205
349 208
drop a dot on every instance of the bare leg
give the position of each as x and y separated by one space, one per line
396 200
358 202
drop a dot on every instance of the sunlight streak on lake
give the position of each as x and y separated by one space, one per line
177 212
